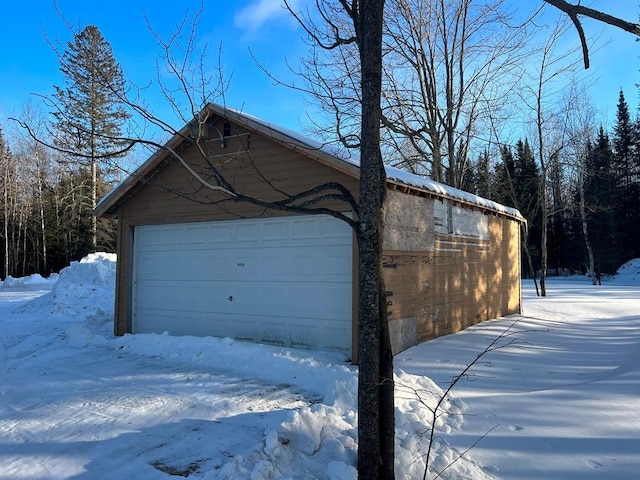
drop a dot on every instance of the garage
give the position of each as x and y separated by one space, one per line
232 235
279 280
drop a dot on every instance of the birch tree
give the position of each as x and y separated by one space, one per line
7 177
581 130
38 166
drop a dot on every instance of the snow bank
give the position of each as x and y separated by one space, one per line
312 372
84 289
35 279
629 273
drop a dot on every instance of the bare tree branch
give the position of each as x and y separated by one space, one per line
334 39
574 10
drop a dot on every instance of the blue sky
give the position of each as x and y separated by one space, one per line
28 65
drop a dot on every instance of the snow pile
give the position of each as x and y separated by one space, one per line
629 273
35 279
84 289
321 439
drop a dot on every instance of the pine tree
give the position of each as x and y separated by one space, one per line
483 184
526 185
526 178
601 199
470 180
90 116
625 148
516 181
622 143
504 174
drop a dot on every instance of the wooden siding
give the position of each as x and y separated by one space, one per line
461 282
168 196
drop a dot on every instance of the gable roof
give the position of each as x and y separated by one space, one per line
321 152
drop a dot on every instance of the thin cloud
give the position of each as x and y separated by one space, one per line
260 12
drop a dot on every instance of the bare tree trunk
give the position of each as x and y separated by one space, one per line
585 231
6 217
544 214
94 175
43 230
39 164
386 391
23 227
544 251
592 268
527 252
582 118
94 202
375 379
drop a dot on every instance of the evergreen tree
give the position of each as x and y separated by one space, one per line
90 116
622 143
504 174
625 148
470 180
483 176
601 198
526 178
526 184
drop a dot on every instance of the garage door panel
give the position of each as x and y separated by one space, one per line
274 231
335 230
155 265
328 267
173 236
286 299
247 231
267 329
183 323
315 301
305 266
305 229
181 297
284 280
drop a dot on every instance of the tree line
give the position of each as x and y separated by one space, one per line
46 217
593 192
58 166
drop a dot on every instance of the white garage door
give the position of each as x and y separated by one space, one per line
284 280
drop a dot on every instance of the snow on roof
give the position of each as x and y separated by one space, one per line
425 183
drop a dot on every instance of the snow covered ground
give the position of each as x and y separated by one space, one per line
559 398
